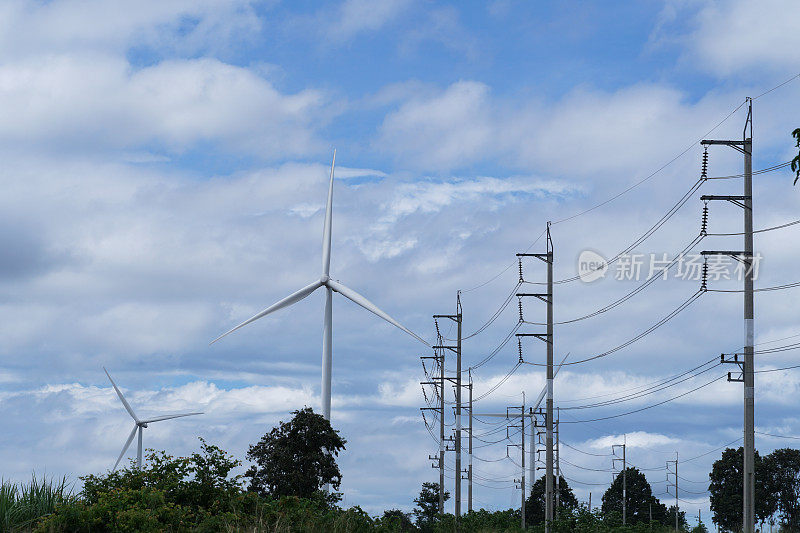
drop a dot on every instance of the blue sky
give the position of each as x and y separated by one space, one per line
165 168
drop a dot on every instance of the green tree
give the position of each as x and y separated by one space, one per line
297 458
683 525
397 520
782 473
534 505
725 490
639 499
427 510
796 160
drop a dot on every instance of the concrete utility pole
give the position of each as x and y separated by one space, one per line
549 405
469 474
624 475
458 409
457 318
439 386
675 486
745 146
548 338
522 415
557 466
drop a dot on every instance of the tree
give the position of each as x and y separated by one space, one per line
427 510
683 525
796 160
397 520
534 505
640 501
726 488
297 458
782 479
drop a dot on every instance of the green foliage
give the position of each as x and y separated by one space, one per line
534 505
639 500
726 489
183 493
796 160
782 485
396 520
426 513
22 504
297 458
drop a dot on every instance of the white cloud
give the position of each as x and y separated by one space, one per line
94 101
30 27
361 16
737 36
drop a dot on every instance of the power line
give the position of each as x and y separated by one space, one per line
649 281
792 223
641 394
649 406
627 343
586 453
777 436
642 387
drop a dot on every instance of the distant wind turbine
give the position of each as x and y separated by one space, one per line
138 424
330 286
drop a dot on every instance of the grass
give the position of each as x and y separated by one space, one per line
23 503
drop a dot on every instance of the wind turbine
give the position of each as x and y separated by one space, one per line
330 286
138 425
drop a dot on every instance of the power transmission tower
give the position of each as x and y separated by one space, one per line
745 146
614 460
548 338
674 485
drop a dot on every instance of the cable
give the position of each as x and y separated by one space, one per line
652 328
766 170
632 293
756 231
763 289
778 86
586 467
709 452
499 383
692 481
777 436
586 453
659 223
505 269
639 395
496 350
649 406
776 369
641 387
494 316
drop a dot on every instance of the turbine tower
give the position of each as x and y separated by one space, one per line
330 286
138 425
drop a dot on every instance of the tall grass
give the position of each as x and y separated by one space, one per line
21 504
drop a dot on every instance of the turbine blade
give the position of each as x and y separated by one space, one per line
356 298
289 300
127 445
544 389
167 417
326 232
121 397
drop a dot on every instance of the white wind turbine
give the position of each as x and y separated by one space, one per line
330 286
138 425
